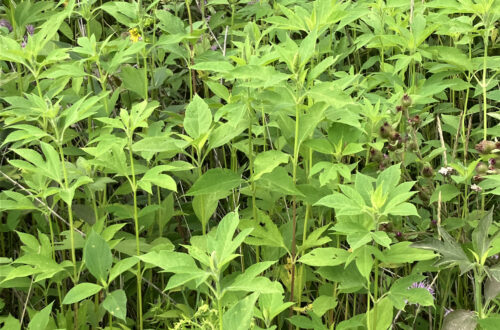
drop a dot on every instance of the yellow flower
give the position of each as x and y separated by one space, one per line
134 35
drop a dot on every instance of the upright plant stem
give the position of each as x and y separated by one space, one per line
478 297
294 201
137 241
485 103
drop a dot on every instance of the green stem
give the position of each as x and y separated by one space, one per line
478 297
485 104
137 241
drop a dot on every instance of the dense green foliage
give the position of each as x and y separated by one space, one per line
227 164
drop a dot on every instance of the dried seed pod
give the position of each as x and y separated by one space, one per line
395 136
386 161
478 178
376 155
424 193
412 146
386 130
481 168
406 101
428 171
387 227
494 162
485 147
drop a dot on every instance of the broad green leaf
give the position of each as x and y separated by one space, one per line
325 257
460 320
134 80
116 304
322 304
239 316
204 207
159 144
480 239
41 318
97 256
249 281
279 181
364 261
156 176
384 310
448 192
381 238
172 262
81 291
265 231
216 181
267 161
402 292
120 267
224 244
490 323
198 118
491 288
404 253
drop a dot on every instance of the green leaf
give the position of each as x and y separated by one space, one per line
389 178
159 144
116 304
172 262
81 291
325 257
249 281
133 80
401 292
322 304
451 252
239 316
279 181
404 253
216 181
403 209
97 256
224 245
41 318
364 261
120 267
204 207
480 239
491 288
460 320
384 310
448 192
198 118
490 323
267 161
156 177
264 231
381 238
